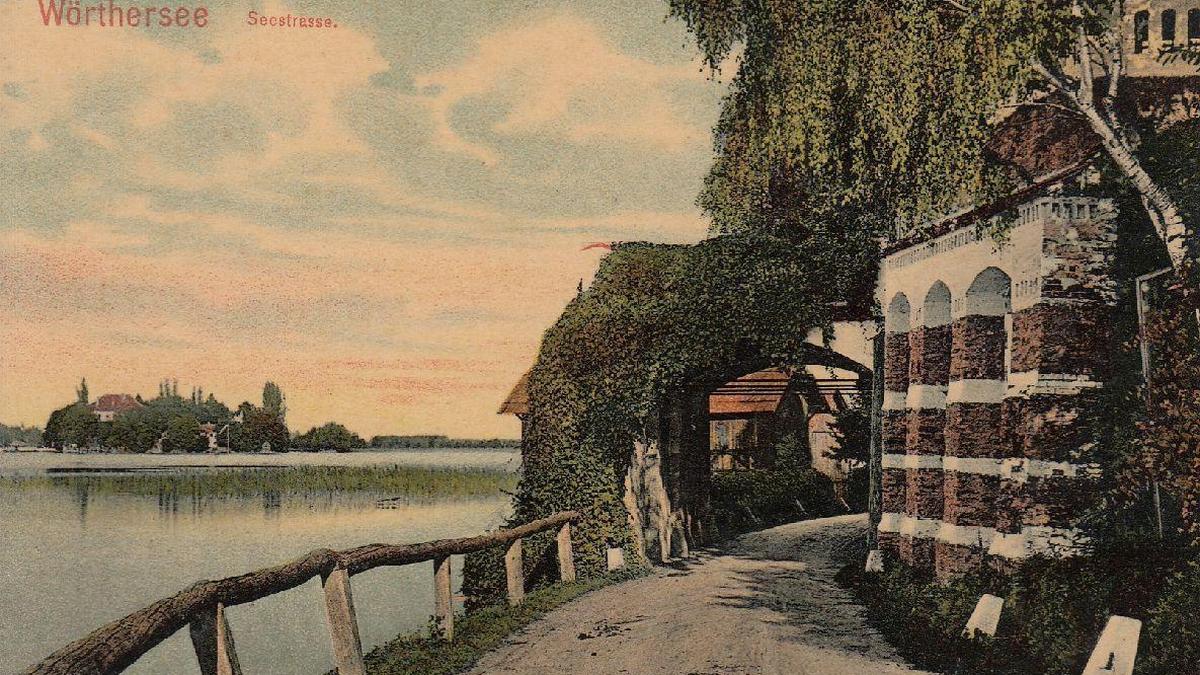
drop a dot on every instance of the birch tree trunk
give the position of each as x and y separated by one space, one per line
1163 211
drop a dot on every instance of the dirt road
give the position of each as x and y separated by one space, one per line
765 604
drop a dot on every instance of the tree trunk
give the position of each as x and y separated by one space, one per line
1164 212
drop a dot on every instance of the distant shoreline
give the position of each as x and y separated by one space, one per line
27 449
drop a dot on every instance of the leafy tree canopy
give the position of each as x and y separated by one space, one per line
19 435
259 426
330 436
882 109
273 400
183 435
72 425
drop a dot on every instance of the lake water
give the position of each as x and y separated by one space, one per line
72 560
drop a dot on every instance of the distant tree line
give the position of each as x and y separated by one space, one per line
330 436
436 441
19 435
171 423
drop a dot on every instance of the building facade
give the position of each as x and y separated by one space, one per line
997 349
993 359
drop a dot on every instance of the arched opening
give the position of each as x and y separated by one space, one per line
990 295
729 431
929 375
894 420
1141 32
975 438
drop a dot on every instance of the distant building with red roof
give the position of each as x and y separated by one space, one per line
108 406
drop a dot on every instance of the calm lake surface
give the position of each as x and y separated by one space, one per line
74 556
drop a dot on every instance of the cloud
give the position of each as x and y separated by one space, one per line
559 76
239 205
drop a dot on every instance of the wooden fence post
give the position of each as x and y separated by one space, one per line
443 604
343 626
513 569
566 557
213 642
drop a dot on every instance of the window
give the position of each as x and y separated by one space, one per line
1168 29
1194 28
1141 32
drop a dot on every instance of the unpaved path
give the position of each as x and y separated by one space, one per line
765 604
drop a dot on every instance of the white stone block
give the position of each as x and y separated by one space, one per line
1013 546
926 397
616 559
986 616
977 391
890 522
874 562
1116 649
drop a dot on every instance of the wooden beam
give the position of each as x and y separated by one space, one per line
213 641
343 625
566 556
514 572
443 603
118 644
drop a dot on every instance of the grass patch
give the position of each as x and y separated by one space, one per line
284 483
479 632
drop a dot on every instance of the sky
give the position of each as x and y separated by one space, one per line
381 217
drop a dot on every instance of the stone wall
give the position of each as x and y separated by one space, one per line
991 404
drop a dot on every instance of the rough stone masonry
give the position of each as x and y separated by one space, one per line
993 359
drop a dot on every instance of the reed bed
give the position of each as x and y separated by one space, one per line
406 483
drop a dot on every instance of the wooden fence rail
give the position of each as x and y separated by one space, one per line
117 645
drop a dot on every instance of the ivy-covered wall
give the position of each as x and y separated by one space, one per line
656 319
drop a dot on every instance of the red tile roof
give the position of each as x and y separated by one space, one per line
756 393
116 403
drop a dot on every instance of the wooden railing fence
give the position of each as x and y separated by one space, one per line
201 607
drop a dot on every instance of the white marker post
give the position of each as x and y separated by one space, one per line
874 562
1116 650
985 618
616 559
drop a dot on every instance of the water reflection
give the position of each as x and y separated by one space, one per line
76 554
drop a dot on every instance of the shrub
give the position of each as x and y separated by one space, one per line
747 500
1054 611
1171 636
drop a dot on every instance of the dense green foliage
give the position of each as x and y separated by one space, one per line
790 490
71 425
438 441
851 430
742 501
1053 613
19 435
830 107
273 401
173 424
656 319
183 435
301 482
478 632
329 436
